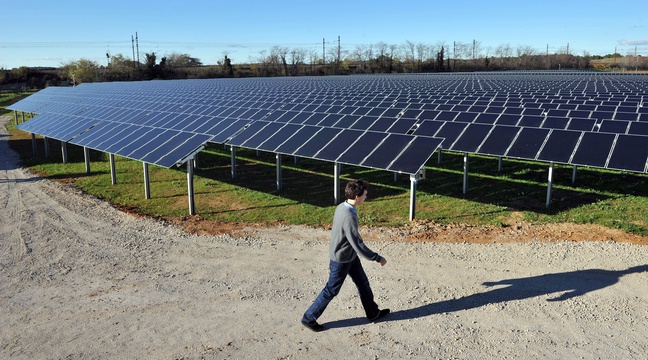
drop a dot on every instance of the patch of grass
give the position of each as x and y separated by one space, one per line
613 199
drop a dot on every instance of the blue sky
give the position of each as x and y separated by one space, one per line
50 33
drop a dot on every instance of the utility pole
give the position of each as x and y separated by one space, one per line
323 51
338 57
137 45
473 51
133 46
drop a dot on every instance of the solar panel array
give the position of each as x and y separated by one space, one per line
391 122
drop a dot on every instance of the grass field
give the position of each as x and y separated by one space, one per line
613 199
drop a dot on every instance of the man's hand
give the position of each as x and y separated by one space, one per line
383 262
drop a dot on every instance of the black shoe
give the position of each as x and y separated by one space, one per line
381 314
314 326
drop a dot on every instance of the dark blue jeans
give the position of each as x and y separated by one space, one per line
339 272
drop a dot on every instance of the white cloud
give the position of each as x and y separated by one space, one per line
633 42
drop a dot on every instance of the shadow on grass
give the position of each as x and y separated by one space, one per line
521 186
565 285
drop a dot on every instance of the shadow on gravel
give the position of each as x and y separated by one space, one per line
27 180
568 284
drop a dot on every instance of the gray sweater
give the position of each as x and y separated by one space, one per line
346 242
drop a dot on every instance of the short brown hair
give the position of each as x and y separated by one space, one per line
355 188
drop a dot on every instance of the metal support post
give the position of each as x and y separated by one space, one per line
574 174
412 207
190 187
465 176
46 144
113 173
64 152
86 156
336 183
549 183
147 187
278 157
233 160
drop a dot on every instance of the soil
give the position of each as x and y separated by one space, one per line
80 279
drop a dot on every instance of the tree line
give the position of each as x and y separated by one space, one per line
381 57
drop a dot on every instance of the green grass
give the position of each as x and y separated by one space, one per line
612 199
7 99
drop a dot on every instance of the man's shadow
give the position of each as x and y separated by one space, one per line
569 284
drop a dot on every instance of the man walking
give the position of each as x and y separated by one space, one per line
346 244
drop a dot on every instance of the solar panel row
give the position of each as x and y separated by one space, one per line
385 122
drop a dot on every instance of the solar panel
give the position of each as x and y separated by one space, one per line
499 140
365 144
540 122
559 146
594 149
472 137
528 143
630 153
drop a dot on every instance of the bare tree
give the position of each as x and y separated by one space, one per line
297 58
409 53
422 53
359 55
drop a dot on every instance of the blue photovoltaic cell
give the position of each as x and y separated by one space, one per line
364 123
581 124
382 124
614 126
92 133
330 120
317 142
315 119
166 147
360 149
387 151
630 153
450 131
560 146
347 121
108 134
228 130
150 135
428 128
402 126
485 118
472 137
142 147
126 140
297 139
638 128
508 119
254 134
73 129
499 140
180 152
528 143
552 123
337 146
594 149
276 139
418 152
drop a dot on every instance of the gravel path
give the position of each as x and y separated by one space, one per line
81 280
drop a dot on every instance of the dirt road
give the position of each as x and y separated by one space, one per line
82 280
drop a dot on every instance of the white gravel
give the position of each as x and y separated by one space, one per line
81 280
